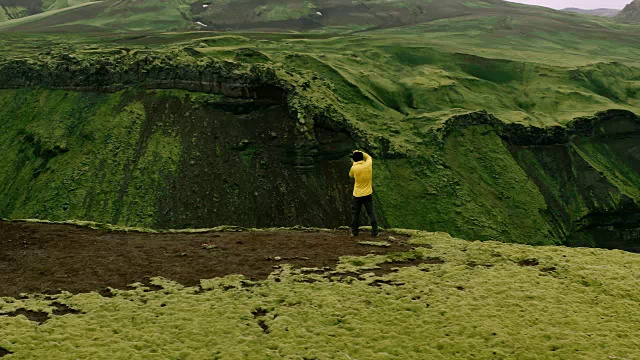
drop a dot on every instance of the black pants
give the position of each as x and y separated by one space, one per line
356 206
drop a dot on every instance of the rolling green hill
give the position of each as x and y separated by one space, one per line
488 119
597 12
111 15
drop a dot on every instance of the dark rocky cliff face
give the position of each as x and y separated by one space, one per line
240 155
242 164
170 160
590 180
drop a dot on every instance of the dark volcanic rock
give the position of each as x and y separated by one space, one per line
630 12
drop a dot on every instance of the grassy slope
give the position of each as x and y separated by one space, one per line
576 304
134 15
106 16
11 22
425 73
481 192
71 154
281 14
16 9
49 5
596 12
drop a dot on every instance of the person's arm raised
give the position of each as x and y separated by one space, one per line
367 158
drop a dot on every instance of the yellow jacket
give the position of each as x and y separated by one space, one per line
362 171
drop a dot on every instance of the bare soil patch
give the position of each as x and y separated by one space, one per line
48 258
62 309
529 262
394 266
4 352
37 316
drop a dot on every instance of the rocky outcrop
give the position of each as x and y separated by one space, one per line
519 134
153 72
630 12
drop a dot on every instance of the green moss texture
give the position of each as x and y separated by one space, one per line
84 156
485 300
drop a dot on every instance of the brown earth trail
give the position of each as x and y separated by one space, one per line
47 258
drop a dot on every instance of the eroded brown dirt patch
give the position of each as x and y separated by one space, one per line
46 258
4 352
36 316
529 262
60 309
394 266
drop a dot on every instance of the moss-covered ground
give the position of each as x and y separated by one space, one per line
482 300
76 155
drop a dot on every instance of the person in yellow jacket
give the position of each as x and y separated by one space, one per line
362 172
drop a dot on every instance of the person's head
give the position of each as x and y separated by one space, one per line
357 156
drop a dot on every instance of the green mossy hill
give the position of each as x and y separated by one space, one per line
346 14
16 9
523 184
480 300
540 177
630 12
596 12
118 15
100 16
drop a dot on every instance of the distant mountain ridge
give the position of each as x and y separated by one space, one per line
598 12
281 15
630 12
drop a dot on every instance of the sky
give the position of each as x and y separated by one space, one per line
583 4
